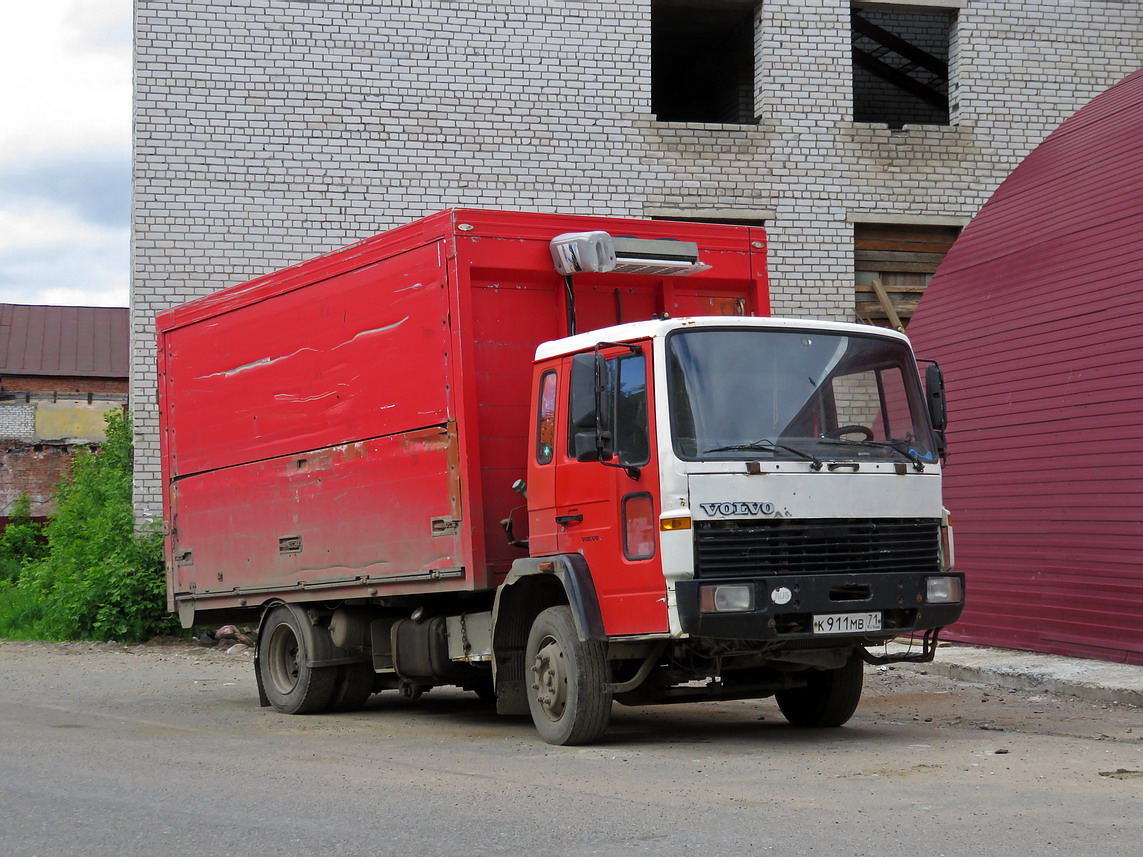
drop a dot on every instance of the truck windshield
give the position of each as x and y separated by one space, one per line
744 394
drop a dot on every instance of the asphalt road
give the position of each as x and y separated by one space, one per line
162 751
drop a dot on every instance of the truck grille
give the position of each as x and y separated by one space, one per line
835 546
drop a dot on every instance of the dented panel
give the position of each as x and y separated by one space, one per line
359 514
361 355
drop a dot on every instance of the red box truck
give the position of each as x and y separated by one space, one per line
556 460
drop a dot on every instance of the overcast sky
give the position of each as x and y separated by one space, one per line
65 152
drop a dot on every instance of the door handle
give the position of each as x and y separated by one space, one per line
564 520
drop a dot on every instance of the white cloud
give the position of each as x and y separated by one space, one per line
84 274
29 229
65 103
60 296
66 68
50 256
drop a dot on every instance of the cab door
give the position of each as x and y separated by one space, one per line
608 510
544 456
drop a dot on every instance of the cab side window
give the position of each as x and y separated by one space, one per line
632 431
619 409
546 419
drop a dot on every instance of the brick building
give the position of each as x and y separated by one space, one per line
863 135
61 370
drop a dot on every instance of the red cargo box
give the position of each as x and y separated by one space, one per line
352 426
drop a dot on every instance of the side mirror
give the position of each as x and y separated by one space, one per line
584 404
935 394
590 408
586 446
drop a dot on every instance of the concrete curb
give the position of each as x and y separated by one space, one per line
1098 681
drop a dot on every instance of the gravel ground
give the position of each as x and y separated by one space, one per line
161 749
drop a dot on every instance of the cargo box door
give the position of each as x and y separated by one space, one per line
361 354
374 517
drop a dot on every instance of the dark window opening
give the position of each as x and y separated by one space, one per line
724 221
893 264
901 65
702 61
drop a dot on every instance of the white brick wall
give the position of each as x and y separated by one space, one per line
17 422
268 131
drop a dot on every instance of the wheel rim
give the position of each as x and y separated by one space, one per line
549 678
283 657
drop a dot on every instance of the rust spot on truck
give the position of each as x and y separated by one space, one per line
349 452
433 439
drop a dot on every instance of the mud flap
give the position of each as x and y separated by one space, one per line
263 700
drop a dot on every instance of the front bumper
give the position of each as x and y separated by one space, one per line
900 598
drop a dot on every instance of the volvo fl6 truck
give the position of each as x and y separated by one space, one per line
559 461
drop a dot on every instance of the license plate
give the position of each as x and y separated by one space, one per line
846 623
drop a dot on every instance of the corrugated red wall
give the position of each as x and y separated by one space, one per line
1036 316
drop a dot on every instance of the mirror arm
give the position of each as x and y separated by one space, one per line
633 471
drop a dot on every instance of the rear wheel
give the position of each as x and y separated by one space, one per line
353 687
829 698
567 677
286 645
484 689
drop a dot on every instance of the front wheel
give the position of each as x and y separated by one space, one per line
829 698
567 677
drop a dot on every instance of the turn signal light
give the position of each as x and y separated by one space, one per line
667 524
946 546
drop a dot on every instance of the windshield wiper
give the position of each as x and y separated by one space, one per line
766 445
898 446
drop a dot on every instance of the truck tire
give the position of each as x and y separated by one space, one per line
829 698
285 645
484 689
353 687
566 678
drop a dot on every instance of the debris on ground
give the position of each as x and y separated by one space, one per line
225 638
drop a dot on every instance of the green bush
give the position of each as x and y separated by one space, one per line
10 570
99 579
23 539
21 543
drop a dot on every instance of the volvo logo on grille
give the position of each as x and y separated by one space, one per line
743 509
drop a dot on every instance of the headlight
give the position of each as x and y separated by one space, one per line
727 598
943 590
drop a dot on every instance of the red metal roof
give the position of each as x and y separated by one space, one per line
1036 315
64 340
